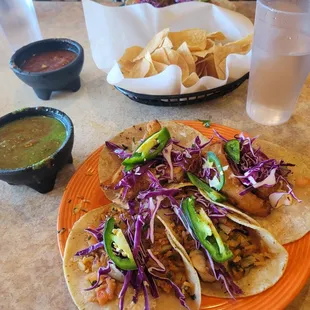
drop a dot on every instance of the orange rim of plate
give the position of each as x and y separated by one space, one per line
84 193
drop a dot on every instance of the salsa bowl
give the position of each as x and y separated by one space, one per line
63 77
41 174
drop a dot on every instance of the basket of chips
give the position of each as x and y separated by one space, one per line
200 52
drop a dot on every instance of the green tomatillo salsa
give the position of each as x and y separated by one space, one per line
29 140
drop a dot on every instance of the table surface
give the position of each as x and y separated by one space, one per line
30 264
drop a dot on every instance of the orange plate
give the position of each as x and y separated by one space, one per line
84 188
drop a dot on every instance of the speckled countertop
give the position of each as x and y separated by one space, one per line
30 264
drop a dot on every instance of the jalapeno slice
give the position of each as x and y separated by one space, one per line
205 189
212 158
232 149
206 232
148 149
117 246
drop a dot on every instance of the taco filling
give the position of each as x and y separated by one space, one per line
121 255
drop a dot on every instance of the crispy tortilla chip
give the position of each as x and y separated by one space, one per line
130 53
209 49
200 68
221 52
211 66
219 36
185 52
167 43
140 69
191 80
156 41
159 55
195 39
159 66
177 59
152 71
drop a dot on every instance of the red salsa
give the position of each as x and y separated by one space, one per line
48 61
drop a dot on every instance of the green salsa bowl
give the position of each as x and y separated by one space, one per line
35 143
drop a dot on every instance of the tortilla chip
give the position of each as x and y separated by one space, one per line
167 43
185 52
130 53
195 39
152 71
177 59
159 55
200 68
211 66
219 36
159 67
191 80
209 49
156 41
140 69
221 52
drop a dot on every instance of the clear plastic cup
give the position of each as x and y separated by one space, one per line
19 22
280 59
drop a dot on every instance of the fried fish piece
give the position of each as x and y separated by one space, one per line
249 202
151 128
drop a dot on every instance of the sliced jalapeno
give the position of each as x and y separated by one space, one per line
117 246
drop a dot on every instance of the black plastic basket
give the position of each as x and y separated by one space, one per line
185 99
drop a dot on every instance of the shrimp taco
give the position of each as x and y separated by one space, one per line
113 261
233 173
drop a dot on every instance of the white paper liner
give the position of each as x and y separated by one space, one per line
113 29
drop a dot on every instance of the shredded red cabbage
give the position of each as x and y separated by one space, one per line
220 274
177 290
90 249
255 167
96 233
130 178
121 296
158 192
210 208
120 152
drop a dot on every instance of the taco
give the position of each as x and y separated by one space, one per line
268 182
115 151
166 152
233 257
110 263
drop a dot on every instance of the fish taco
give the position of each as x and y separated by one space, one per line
110 262
161 157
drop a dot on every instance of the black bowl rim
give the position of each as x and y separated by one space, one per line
21 50
42 162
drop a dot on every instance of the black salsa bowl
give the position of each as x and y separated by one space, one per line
44 83
40 176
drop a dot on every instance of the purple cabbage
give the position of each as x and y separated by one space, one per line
119 151
177 290
90 249
158 192
220 274
255 166
96 233
121 296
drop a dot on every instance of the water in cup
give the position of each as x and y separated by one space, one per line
280 61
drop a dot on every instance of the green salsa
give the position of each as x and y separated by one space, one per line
29 140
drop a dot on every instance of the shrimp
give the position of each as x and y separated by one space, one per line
201 265
106 291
